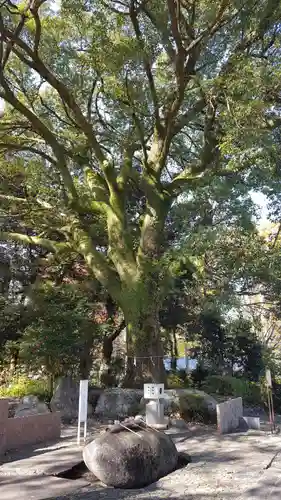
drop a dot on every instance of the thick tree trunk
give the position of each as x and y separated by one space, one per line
145 354
105 373
85 361
149 364
85 365
142 298
14 360
175 352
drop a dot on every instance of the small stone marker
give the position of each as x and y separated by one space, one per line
155 407
229 415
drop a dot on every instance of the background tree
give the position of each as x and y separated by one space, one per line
62 335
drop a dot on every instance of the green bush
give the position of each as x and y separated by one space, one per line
199 375
175 382
232 386
178 380
23 386
193 408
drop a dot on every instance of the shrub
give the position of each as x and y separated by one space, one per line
232 386
216 384
184 376
175 382
24 386
199 375
193 407
178 380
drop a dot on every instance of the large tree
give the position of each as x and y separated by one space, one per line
113 109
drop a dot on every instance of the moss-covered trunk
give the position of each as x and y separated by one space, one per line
133 276
106 376
149 365
142 301
174 352
144 343
145 355
85 360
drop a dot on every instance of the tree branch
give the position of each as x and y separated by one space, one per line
9 45
55 114
165 35
20 147
43 131
34 7
16 199
115 334
97 262
90 99
34 62
51 246
147 65
185 118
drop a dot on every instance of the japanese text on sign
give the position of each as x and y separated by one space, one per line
153 391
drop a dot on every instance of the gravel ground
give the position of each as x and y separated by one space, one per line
237 466
222 468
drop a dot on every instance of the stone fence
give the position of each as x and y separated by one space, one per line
21 431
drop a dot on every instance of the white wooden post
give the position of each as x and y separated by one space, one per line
83 409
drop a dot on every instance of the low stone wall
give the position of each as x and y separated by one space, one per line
229 415
21 431
3 420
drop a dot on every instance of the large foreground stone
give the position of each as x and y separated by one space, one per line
126 459
118 402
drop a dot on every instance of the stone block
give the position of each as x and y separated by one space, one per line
252 422
179 423
229 414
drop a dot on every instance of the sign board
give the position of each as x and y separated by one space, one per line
83 401
153 391
268 378
83 409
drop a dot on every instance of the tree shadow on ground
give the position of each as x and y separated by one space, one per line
207 456
158 494
37 449
39 488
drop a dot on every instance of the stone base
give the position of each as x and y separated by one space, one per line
179 423
161 426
